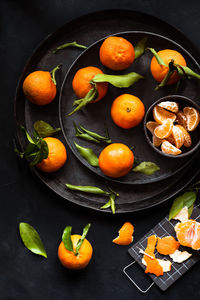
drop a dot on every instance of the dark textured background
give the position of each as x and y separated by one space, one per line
24 275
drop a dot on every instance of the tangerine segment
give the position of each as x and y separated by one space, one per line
188 234
56 158
168 148
159 71
116 53
167 245
151 245
178 136
116 160
164 130
151 125
81 83
156 141
171 139
125 234
192 116
187 138
169 105
76 262
127 111
160 114
181 119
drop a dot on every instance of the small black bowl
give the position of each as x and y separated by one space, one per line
195 135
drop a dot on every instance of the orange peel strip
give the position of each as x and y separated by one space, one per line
167 245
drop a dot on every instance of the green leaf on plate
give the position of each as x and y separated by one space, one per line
140 47
86 189
88 154
72 44
31 239
66 238
147 168
120 81
80 242
112 202
190 73
44 129
186 199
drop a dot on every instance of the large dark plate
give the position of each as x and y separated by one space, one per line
88 30
96 115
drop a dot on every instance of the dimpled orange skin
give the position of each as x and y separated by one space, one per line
69 260
116 160
116 53
81 83
39 88
159 71
56 158
127 111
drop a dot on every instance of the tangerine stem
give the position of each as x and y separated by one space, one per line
53 73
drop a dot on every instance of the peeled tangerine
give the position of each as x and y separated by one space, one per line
168 148
169 105
188 234
192 116
160 114
125 235
164 130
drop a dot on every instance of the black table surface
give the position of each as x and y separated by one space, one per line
23 275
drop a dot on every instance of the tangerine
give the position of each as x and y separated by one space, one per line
56 158
159 71
76 262
188 234
81 83
116 160
39 88
127 111
116 53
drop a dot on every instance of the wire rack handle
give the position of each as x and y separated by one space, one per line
133 282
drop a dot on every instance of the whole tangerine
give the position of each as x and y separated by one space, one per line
56 158
159 71
81 83
116 53
39 88
116 160
76 262
127 111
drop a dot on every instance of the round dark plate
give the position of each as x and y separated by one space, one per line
87 30
96 115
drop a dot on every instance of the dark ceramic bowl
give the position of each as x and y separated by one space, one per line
195 135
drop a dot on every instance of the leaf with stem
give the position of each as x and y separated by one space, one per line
97 136
83 135
147 168
53 72
87 189
119 81
186 199
158 58
81 240
66 45
66 238
140 47
44 129
88 154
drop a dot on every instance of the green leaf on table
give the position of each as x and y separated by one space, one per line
140 47
66 45
147 168
31 239
88 154
66 238
81 240
44 129
120 81
186 199
158 58
87 189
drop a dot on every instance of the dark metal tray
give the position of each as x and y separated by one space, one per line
87 30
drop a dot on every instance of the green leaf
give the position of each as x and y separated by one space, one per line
86 189
19 153
147 168
27 135
107 205
80 242
189 72
120 81
72 44
165 80
66 238
91 96
53 72
158 58
140 47
97 136
190 209
44 129
88 154
31 239
186 199
112 202
84 136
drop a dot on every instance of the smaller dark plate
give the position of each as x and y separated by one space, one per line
94 116
195 135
